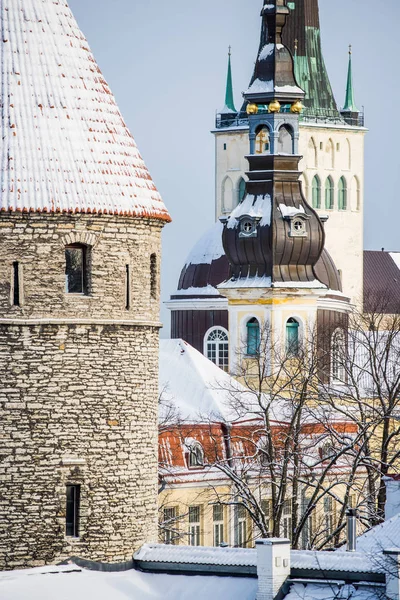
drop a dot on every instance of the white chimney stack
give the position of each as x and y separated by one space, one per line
392 573
273 566
392 506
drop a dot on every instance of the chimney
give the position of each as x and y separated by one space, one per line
392 573
351 515
273 566
392 506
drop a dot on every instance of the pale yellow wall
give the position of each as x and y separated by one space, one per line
338 151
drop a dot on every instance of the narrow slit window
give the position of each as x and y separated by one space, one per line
76 269
73 508
153 276
128 288
16 283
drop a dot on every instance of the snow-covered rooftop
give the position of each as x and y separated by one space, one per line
194 385
65 146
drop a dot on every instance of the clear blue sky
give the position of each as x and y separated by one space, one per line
166 64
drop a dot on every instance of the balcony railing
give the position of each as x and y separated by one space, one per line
321 116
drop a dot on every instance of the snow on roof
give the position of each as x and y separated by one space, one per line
247 282
396 258
195 386
356 562
208 248
65 146
381 537
252 206
81 584
330 590
291 211
202 555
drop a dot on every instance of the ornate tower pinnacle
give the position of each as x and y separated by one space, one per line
350 111
229 101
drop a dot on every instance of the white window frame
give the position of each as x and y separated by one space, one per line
218 343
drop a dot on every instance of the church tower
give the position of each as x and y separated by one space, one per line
281 276
331 144
80 226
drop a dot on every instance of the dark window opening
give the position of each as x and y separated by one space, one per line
16 294
76 269
292 337
128 288
253 337
73 506
153 276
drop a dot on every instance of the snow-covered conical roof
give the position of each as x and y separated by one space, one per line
65 146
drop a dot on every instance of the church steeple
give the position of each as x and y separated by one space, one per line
229 101
274 234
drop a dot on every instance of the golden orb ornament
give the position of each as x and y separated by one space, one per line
296 107
252 109
274 106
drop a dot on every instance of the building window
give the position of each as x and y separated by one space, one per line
338 356
266 507
224 146
241 527
196 456
292 337
16 296
329 191
342 194
217 348
73 507
329 515
242 190
248 226
218 519
194 525
153 276
170 525
262 141
253 337
76 269
285 140
316 192
127 287
287 519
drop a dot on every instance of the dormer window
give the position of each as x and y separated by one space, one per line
196 455
299 225
248 226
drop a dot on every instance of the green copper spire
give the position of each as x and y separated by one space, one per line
350 104
229 101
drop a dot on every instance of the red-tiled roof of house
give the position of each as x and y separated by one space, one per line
65 146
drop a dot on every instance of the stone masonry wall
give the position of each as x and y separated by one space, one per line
78 390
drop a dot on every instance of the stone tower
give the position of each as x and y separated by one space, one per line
331 144
80 227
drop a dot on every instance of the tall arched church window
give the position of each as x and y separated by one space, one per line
292 337
342 194
285 140
355 194
227 195
338 356
316 192
217 348
262 141
253 337
312 154
242 190
330 155
329 193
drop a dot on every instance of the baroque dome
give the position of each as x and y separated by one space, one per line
207 266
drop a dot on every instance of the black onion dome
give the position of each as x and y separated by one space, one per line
206 266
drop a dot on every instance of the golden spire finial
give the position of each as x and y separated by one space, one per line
296 45
350 49
230 51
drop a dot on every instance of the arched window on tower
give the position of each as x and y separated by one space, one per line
330 155
217 348
285 140
196 456
338 356
312 154
227 195
76 269
316 192
253 337
355 194
262 141
242 190
329 193
292 337
342 194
